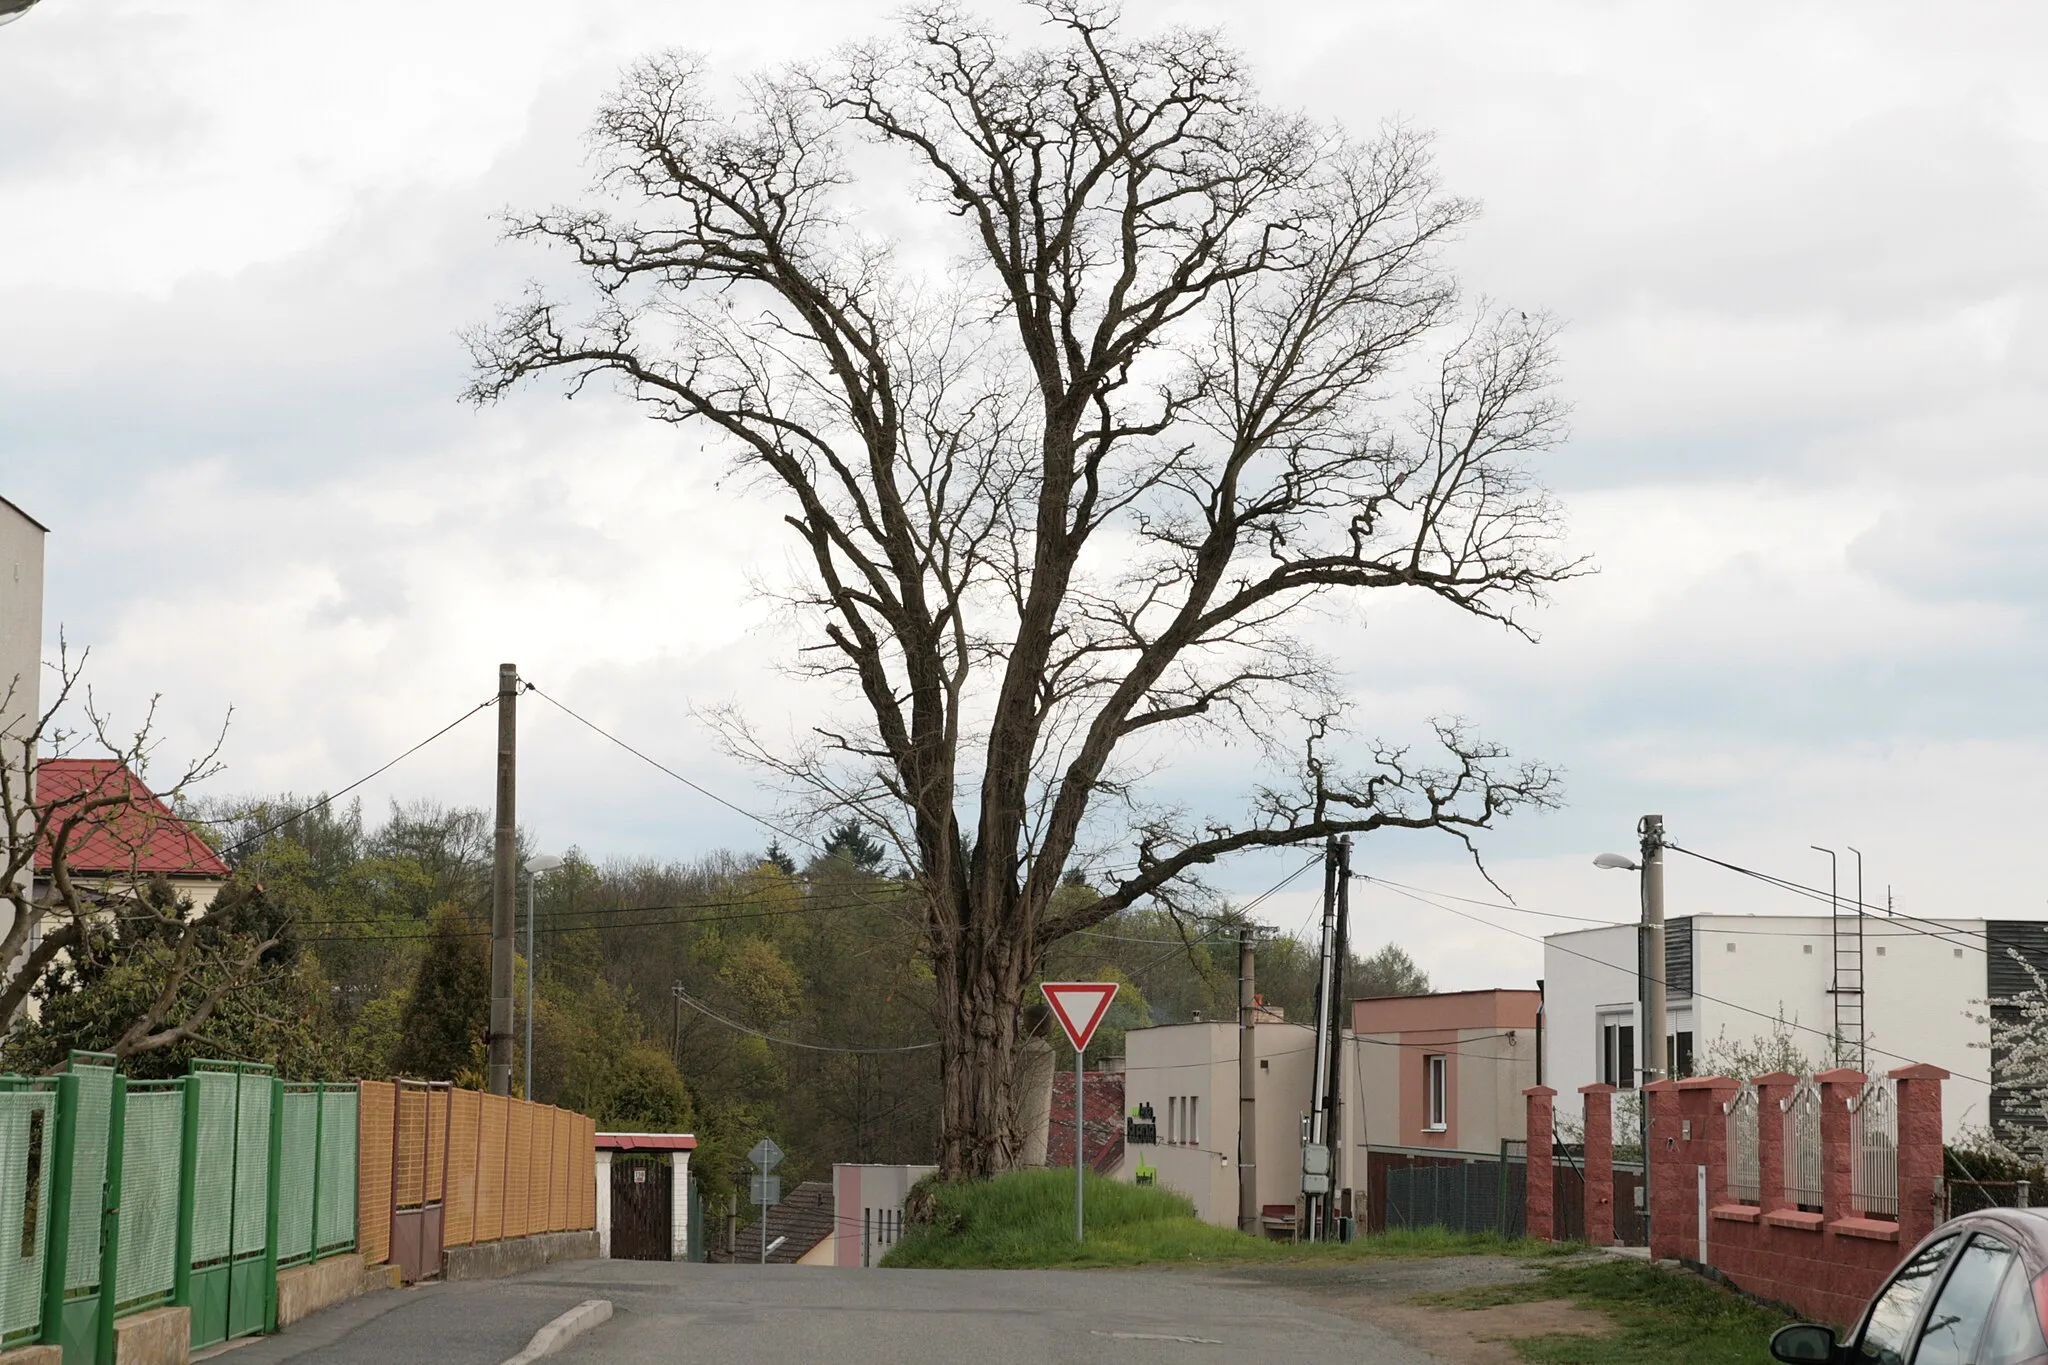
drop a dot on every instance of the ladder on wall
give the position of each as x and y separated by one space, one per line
1848 987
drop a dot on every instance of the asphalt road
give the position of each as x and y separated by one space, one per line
668 1313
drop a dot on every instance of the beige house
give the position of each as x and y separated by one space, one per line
1419 1076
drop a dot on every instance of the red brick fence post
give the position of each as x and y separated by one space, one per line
1599 1101
1919 1150
1539 1207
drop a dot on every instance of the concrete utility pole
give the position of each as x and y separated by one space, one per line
504 889
1655 1066
1317 1204
1333 1086
1247 1088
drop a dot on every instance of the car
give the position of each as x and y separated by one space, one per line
1973 1292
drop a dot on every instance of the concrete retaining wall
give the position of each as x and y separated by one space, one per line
33 1355
161 1336
488 1260
306 1289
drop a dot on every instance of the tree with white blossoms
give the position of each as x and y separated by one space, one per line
2019 1067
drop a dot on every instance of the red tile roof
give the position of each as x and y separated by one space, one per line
139 836
1104 1120
646 1142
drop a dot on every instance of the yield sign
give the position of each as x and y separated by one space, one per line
1079 1006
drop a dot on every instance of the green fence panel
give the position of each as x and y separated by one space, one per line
152 1146
337 1230
252 1163
214 1181
27 1126
297 1186
88 1174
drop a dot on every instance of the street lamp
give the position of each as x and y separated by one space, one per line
545 862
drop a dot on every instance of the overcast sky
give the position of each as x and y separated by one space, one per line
1800 253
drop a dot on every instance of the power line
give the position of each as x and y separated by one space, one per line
700 789
710 1013
332 797
1696 994
1834 899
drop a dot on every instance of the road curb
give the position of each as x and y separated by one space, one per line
563 1330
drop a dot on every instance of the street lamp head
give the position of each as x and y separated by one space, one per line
1617 862
542 862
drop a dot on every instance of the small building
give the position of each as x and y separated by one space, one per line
1424 1077
799 1230
869 1201
643 1196
129 845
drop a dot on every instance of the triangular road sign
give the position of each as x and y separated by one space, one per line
1079 1006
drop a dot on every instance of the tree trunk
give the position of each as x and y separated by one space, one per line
980 995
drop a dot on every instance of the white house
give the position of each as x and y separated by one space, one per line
1732 978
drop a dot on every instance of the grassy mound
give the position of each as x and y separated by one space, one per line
1026 1219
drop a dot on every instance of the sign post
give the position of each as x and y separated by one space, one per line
1079 1006
766 1188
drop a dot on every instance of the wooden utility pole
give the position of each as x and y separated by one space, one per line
1247 1088
504 852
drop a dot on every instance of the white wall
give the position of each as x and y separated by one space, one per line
21 644
1750 969
1583 971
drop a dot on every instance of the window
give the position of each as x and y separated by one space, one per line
1731 947
2013 1335
1885 1330
1678 1054
1437 1092
1950 1335
1173 1119
1618 1053
1194 1112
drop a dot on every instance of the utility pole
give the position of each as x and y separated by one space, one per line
1247 1087
1317 1202
1655 1064
504 890
1651 827
1333 1082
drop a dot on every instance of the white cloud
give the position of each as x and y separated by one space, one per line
1799 252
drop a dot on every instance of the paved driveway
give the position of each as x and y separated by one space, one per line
667 1313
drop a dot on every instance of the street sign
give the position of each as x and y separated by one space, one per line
1079 1006
766 1155
767 1189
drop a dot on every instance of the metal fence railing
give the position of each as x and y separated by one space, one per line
1959 1197
1874 1160
1745 1174
28 1119
1802 1145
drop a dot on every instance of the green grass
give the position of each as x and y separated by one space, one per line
1026 1218
1659 1316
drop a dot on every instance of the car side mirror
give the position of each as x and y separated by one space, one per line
1803 1341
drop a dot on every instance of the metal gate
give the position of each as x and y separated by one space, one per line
419 1177
231 1139
642 1206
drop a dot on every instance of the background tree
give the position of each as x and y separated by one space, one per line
1178 394
441 1035
139 972
1390 971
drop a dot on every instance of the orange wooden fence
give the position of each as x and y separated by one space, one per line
514 1169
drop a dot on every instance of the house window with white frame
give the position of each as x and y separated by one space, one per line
1436 1078
1618 1050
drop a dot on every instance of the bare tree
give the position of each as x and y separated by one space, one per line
64 920
1148 371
